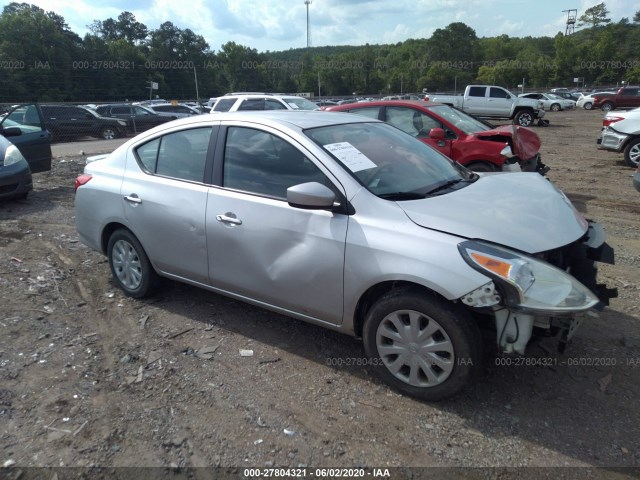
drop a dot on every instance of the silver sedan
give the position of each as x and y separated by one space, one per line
351 224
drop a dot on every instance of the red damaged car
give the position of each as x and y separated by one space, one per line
463 138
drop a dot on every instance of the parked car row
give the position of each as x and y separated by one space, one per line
625 97
68 122
551 101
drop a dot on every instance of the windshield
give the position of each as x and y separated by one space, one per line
300 103
460 119
387 161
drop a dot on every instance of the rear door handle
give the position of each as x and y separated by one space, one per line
133 198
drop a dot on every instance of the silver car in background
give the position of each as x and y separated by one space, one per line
351 224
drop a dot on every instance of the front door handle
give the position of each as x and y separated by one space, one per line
133 198
227 219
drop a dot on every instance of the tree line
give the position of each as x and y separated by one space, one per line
41 59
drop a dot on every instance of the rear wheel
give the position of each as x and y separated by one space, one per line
606 106
131 269
421 345
632 153
524 118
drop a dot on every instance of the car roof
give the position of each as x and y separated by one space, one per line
383 103
301 119
167 104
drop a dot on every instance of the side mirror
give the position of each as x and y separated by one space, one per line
10 131
436 134
311 196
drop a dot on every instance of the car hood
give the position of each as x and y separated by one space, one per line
518 210
525 143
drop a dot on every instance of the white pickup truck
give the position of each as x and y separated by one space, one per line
488 101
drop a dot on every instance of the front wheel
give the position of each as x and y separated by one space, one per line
421 345
524 118
108 133
555 107
632 153
130 266
588 106
481 166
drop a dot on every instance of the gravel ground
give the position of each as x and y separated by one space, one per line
91 378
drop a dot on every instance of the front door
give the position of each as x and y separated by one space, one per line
260 247
34 141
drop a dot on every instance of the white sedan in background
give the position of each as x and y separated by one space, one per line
551 101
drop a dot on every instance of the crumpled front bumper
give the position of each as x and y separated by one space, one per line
582 255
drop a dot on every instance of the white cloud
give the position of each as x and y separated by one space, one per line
281 24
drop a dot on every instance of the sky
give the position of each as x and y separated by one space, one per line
274 25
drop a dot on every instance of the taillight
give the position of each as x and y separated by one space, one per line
81 180
606 121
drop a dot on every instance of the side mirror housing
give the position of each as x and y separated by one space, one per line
436 134
311 196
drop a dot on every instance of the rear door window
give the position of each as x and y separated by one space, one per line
224 104
181 155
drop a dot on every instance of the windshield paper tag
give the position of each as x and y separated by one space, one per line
350 156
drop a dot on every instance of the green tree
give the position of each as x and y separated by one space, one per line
43 48
595 16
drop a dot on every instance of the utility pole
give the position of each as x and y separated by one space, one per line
307 3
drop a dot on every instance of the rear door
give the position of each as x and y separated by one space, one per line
165 199
475 101
34 141
499 102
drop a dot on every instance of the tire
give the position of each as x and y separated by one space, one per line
403 322
481 166
606 107
131 269
632 152
555 107
524 118
108 133
588 106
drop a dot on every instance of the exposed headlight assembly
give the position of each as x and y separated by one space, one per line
529 284
12 155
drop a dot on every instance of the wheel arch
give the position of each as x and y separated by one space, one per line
108 230
373 293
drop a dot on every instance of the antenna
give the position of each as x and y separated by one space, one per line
571 21
307 3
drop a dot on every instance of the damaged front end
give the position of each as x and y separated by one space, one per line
553 290
522 148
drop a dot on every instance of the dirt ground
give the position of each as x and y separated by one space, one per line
89 377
